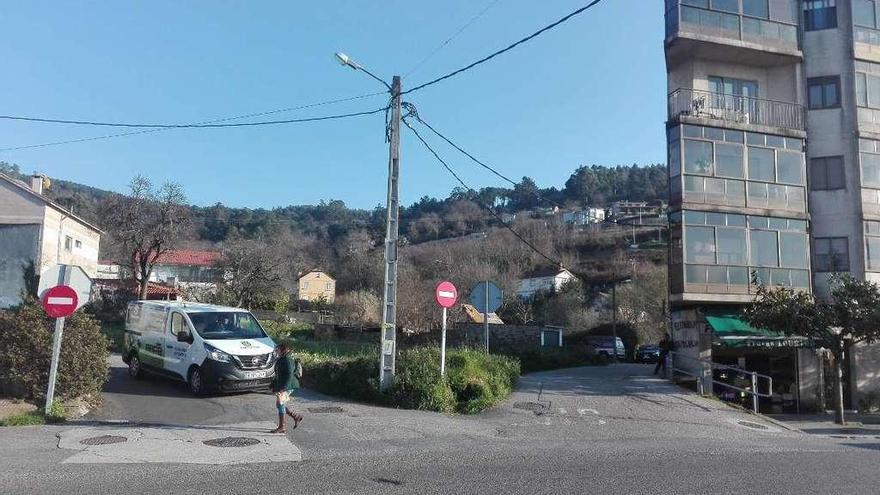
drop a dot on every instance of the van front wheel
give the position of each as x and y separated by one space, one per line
196 382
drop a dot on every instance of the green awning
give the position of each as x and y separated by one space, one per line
732 331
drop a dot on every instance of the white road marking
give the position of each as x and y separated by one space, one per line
585 411
60 300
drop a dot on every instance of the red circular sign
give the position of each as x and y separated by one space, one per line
446 294
60 301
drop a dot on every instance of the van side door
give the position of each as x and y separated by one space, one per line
152 352
176 351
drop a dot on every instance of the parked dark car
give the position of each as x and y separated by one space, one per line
648 354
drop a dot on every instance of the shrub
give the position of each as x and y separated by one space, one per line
26 348
418 384
478 380
354 377
280 330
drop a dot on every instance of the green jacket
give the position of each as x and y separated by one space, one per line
285 374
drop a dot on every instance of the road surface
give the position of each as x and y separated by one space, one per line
614 429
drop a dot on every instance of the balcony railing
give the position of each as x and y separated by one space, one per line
685 102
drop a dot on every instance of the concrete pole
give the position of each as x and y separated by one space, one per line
389 302
614 320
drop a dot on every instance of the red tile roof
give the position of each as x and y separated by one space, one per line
189 257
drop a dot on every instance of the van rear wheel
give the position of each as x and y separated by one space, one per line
134 367
196 382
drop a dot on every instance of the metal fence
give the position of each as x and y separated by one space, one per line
733 108
753 390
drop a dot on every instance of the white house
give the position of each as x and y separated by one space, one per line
35 231
547 279
587 216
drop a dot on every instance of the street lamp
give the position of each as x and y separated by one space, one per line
388 348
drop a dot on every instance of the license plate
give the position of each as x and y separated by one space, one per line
252 375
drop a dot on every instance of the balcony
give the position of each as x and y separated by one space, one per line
693 28
700 107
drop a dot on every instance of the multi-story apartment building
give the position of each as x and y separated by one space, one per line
774 163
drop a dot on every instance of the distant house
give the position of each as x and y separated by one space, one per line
587 216
317 285
547 279
37 233
187 268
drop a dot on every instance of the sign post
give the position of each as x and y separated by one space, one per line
445 294
486 298
63 289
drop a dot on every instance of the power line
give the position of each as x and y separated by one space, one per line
450 39
469 188
225 119
508 48
190 126
482 164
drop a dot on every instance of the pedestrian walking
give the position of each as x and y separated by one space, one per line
288 371
665 346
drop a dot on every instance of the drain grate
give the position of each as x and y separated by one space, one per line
529 406
754 426
103 440
227 442
324 410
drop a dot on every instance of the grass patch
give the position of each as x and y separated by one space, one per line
35 418
115 333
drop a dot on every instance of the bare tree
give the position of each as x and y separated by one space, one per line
252 272
146 224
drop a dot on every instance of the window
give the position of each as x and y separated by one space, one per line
700 245
827 173
726 5
732 246
765 251
820 14
761 164
78 244
867 88
793 250
870 169
823 92
756 8
305 286
697 157
872 245
863 13
790 167
729 160
178 324
674 158
329 286
68 243
832 254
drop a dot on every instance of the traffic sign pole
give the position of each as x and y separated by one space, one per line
443 346
486 317
53 367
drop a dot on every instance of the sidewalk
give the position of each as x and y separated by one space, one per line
857 425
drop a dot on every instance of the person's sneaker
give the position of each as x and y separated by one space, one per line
279 430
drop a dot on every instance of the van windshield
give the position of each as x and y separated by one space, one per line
226 325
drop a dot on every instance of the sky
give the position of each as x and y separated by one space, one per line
591 91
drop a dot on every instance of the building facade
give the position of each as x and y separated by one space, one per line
36 232
774 162
543 280
317 286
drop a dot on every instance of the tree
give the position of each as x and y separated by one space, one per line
252 273
146 224
849 316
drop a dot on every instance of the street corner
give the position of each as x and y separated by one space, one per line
244 443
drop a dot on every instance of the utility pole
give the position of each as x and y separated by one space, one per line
614 320
389 301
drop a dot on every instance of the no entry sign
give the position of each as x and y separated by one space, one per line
446 294
60 301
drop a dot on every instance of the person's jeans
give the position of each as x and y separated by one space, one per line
661 363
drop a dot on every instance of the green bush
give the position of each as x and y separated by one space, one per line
418 384
354 377
26 349
546 359
281 331
479 380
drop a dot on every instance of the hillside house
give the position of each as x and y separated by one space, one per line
36 231
587 216
546 280
317 285
186 268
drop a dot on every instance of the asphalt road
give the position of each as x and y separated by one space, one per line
609 429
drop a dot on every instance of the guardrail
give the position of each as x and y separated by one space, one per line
733 108
753 391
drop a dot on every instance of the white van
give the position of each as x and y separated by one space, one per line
212 348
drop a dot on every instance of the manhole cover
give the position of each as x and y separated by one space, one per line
329 409
749 424
231 442
103 440
529 406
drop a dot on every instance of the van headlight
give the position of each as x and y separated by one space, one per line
217 355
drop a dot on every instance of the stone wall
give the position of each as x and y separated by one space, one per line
510 337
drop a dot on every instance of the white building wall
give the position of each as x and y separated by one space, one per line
57 227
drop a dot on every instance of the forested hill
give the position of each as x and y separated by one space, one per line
428 218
